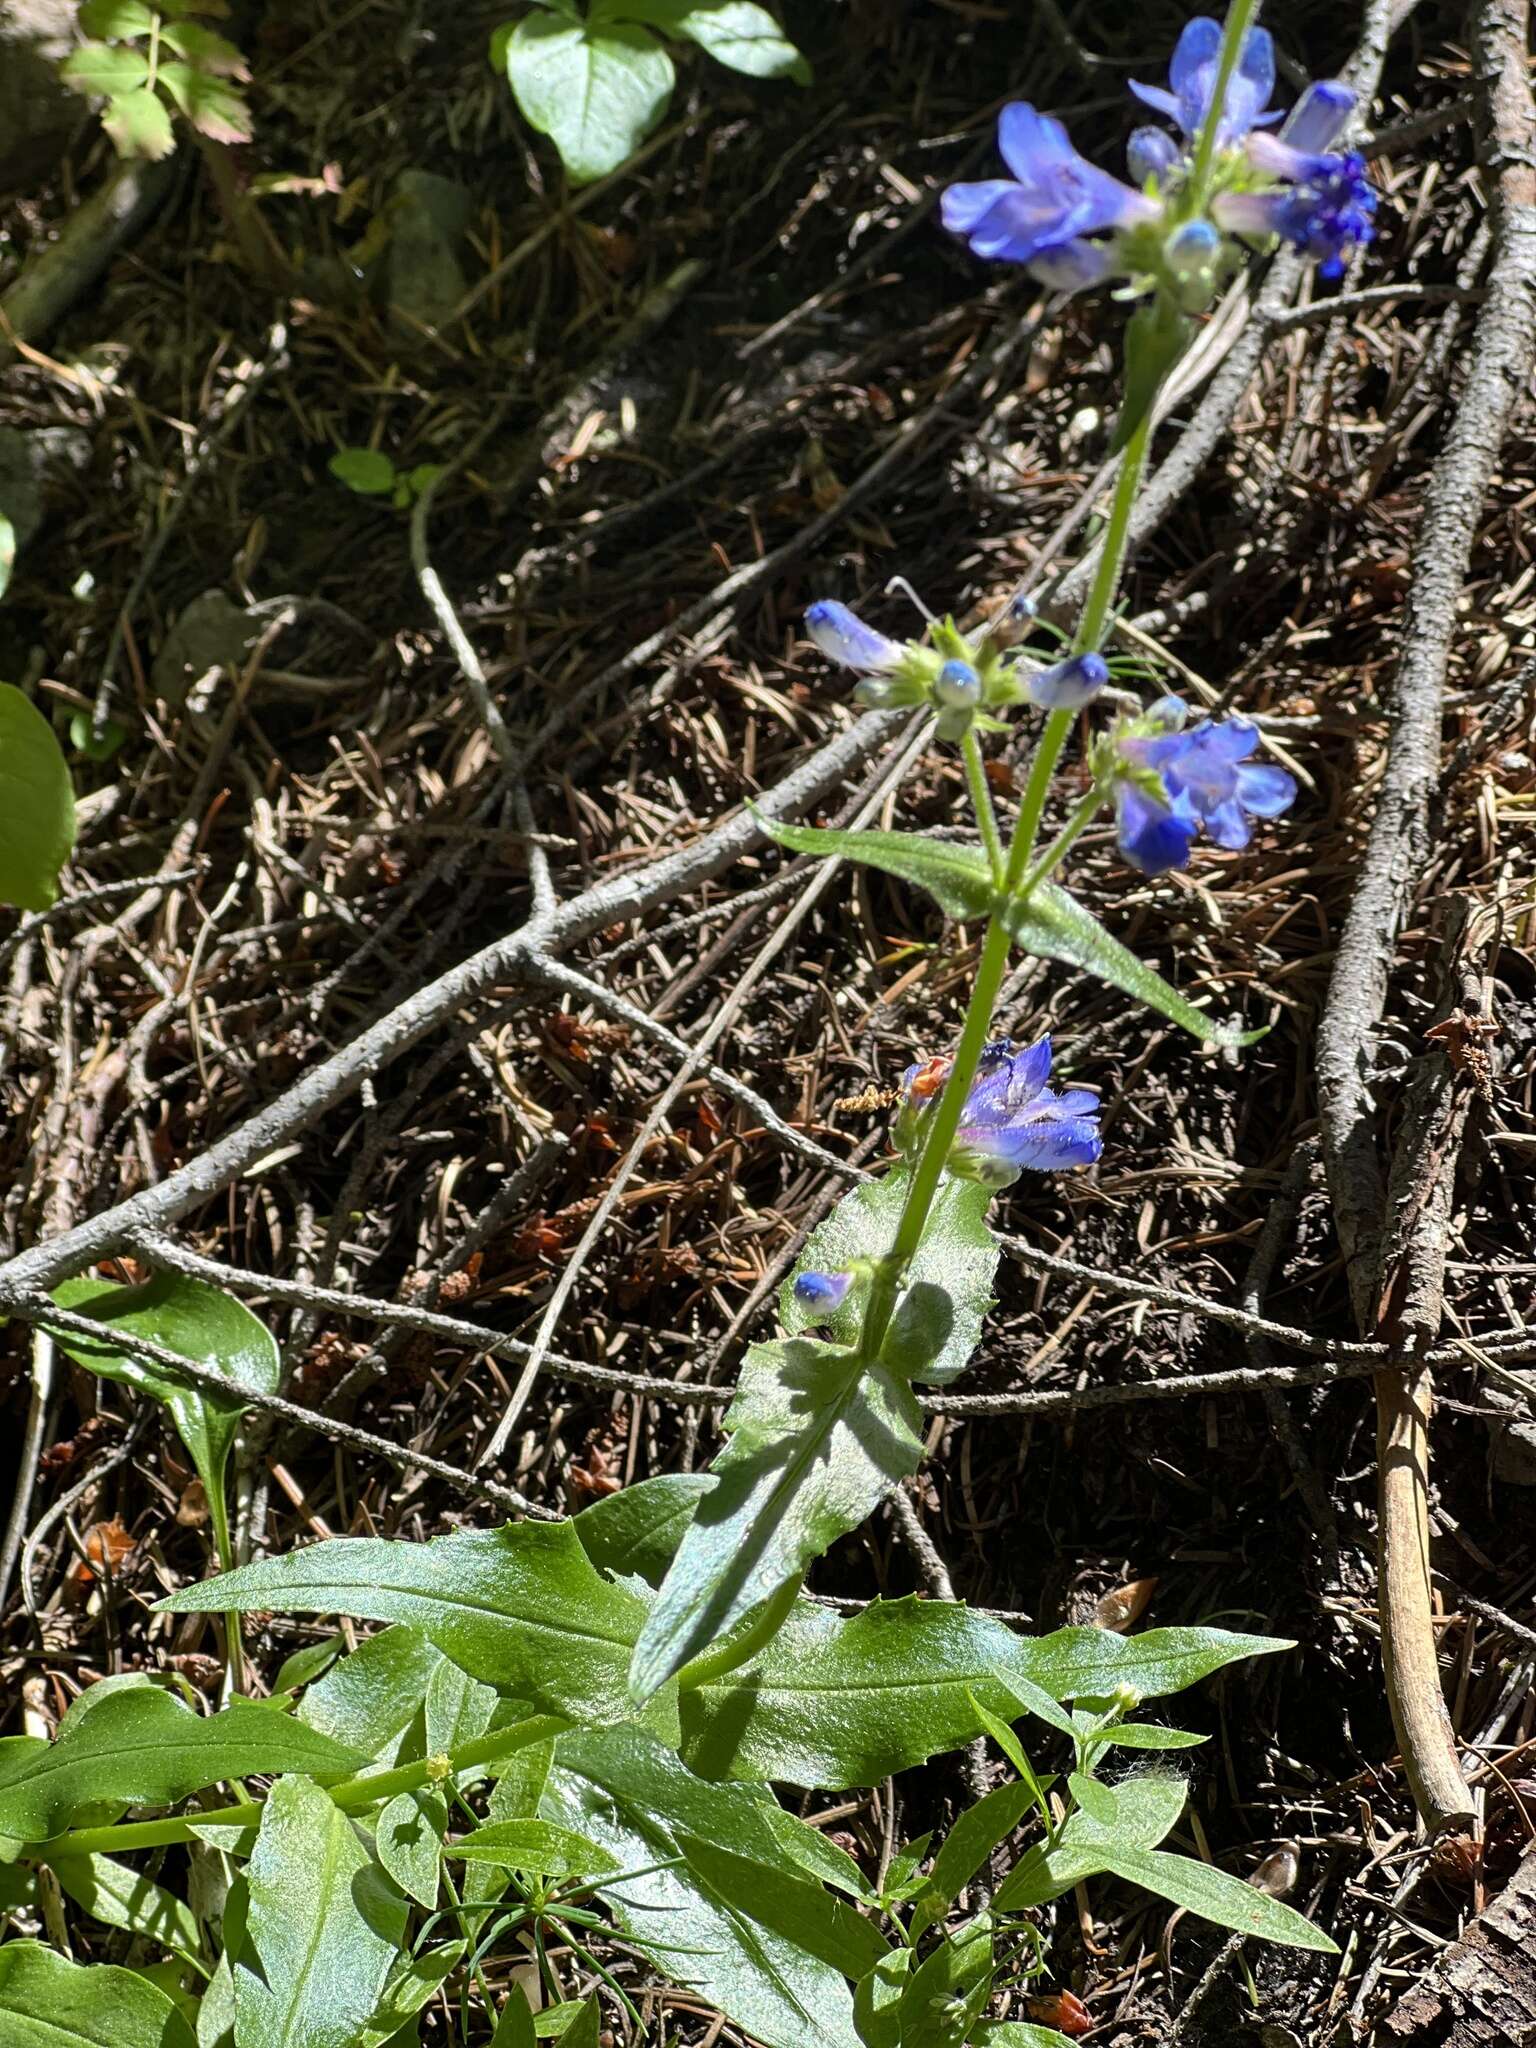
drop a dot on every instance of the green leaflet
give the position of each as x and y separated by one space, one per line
405 1995
1146 1808
976 1833
596 90
956 877
141 1747
709 1891
1054 925
371 1699
817 1441
408 1835
323 1929
197 1321
956 1262
1216 1895
46 2002
1020 2034
37 805
536 1846
520 1608
119 1896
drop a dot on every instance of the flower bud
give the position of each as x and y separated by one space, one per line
842 636
822 1292
957 687
1151 153
1191 251
1070 684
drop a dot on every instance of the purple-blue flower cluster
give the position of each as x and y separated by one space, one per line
1072 224
1012 1122
1175 780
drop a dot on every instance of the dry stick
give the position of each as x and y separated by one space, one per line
48 286
718 1025
37 1308
616 900
1502 353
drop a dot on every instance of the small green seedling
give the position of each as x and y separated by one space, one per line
372 474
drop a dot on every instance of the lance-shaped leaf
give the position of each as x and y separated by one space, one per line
834 1701
956 877
416 1980
955 1264
521 1608
1216 1895
139 1746
37 805
323 1929
196 1321
120 1896
1054 925
372 1699
47 2002
534 1846
817 1441
1146 1809
708 1890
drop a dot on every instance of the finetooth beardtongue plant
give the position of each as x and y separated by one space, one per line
567 1724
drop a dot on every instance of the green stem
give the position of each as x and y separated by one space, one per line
981 801
735 1649
224 1550
1106 577
1239 15
351 1795
1061 845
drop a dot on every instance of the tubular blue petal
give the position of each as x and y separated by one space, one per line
1072 266
1032 1067
1032 142
963 206
1227 825
1251 85
1251 213
1264 790
1319 117
1153 837
1192 73
842 636
1155 97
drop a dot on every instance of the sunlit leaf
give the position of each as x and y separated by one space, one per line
139 124
48 2002
37 805
595 91
734 32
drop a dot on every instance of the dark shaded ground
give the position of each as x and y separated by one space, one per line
343 837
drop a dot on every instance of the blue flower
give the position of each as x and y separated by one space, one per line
1069 684
1012 1122
1184 780
823 1292
1193 73
1152 153
1326 207
843 637
1043 215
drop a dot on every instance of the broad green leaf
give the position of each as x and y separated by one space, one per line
1216 1895
46 2002
975 1834
1056 927
371 1699
957 877
409 1838
596 92
204 49
835 1701
708 1891
635 1533
416 1981
197 1321
142 1747
139 124
520 1608
122 1897
323 1929
816 1442
956 1262
85 739
877 2000
1145 1809
368 471
209 102
734 32
7 553
102 70
535 1846
115 20
575 2024
37 805
1020 2034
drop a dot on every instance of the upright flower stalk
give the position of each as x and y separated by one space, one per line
894 1286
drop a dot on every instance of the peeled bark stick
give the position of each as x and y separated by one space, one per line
101 225
1500 360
